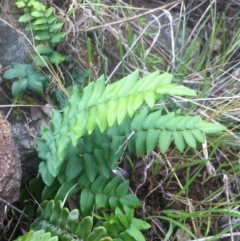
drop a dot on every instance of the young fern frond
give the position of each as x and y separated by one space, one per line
102 106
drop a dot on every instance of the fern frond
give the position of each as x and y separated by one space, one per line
65 225
98 153
156 129
151 129
102 106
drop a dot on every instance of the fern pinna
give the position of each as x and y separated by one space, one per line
86 141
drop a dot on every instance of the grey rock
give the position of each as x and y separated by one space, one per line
14 47
23 136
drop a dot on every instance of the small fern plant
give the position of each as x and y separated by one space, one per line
46 30
84 145
28 78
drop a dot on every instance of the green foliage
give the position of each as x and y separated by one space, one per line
28 78
41 21
60 224
39 235
102 107
65 225
123 226
85 143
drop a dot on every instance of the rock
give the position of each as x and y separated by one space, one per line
14 48
23 136
10 167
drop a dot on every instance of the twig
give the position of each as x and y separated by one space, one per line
18 210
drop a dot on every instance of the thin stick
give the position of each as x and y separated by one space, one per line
6 106
18 210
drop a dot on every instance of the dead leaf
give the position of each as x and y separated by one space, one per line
47 110
36 113
183 235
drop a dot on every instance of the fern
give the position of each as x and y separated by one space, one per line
101 106
57 223
100 152
64 224
41 21
87 140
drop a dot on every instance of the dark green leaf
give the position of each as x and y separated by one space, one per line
122 217
48 12
57 37
62 221
44 49
49 192
209 128
55 27
67 189
111 228
111 187
135 233
131 201
51 19
37 14
17 71
19 87
56 58
42 36
84 228
87 201
47 211
140 224
165 140
41 61
141 137
36 186
43 170
56 212
40 21
90 166
34 84
189 139
97 234
199 135
72 221
101 201
99 184
114 202
122 189
74 166
179 140
20 4
152 139
25 18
